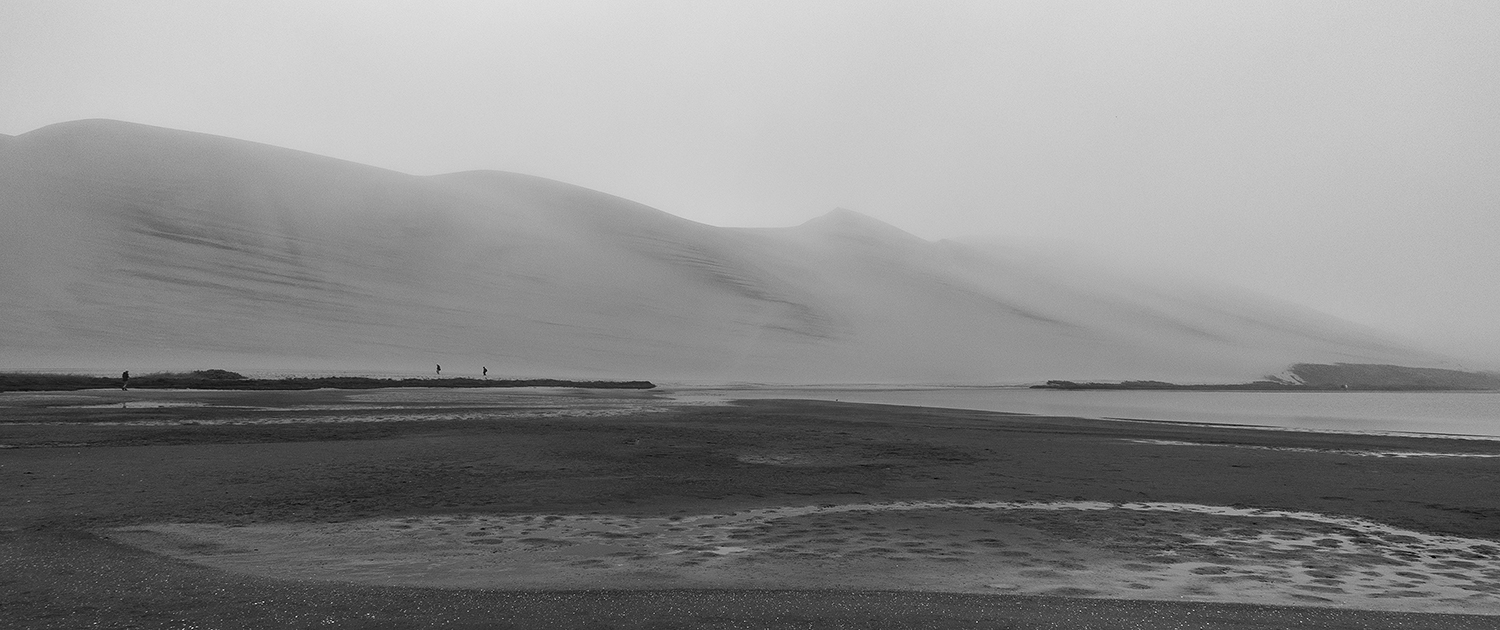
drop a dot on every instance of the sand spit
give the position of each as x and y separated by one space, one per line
396 415
1298 449
1150 551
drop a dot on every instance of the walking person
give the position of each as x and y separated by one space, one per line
124 380
486 372
440 369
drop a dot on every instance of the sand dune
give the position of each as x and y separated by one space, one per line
144 247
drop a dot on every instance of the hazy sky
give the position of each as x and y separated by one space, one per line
1345 155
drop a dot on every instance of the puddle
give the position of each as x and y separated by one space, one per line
137 404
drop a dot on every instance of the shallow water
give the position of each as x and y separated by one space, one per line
255 407
1459 413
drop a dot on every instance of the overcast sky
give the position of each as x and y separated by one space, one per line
1345 155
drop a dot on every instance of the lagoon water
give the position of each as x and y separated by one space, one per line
1456 413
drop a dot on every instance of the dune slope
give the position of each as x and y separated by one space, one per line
136 246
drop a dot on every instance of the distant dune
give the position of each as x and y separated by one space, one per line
140 247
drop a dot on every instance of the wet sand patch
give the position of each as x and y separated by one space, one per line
677 463
1163 551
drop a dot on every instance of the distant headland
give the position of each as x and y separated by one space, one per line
1322 377
224 379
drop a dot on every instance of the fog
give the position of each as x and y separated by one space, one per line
1337 155
129 244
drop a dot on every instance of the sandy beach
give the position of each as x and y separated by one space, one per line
565 508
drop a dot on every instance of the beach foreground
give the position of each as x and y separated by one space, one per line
629 509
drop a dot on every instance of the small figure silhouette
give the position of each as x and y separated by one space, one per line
440 368
124 380
486 372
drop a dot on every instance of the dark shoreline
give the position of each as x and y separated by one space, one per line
222 380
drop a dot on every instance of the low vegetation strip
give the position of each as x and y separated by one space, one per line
224 379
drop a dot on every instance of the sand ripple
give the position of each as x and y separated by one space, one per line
1080 549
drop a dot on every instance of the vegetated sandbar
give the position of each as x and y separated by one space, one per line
223 379
765 495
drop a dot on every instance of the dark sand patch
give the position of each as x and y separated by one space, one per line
426 460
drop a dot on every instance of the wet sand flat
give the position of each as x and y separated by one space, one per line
650 497
1076 549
